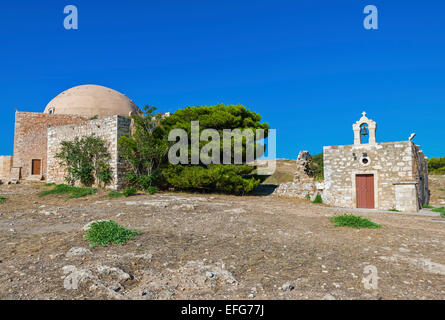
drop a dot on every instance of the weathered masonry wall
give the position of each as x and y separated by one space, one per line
5 168
420 173
30 139
109 129
393 165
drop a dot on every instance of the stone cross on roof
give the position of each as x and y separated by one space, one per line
364 114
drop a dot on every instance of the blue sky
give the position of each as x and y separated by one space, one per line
308 67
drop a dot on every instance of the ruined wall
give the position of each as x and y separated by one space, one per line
390 163
303 184
109 129
5 168
30 138
420 173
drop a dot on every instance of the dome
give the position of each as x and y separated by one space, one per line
91 100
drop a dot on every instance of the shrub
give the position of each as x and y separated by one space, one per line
104 173
316 167
146 149
354 222
436 165
151 190
427 206
74 192
129 191
144 182
219 178
115 194
318 199
308 197
2 200
85 160
441 209
105 232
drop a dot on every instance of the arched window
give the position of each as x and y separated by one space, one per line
364 133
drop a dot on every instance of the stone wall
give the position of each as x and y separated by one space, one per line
5 168
109 129
406 198
390 163
303 184
420 173
30 138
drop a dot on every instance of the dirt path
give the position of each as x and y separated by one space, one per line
195 246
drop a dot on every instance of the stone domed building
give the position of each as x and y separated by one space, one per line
91 101
79 111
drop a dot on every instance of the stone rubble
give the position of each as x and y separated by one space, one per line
303 184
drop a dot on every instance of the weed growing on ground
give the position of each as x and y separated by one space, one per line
318 199
103 233
115 194
129 191
74 192
349 220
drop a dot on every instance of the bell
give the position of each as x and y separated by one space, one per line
364 131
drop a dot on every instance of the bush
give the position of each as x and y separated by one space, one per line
354 222
151 190
219 178
318 199
105 232
86 161
436 165
115 194
129 191
104 173
316 167
74 192
146 149
144 182
427 206
441 210
2 200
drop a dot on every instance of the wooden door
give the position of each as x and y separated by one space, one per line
36 164
365 191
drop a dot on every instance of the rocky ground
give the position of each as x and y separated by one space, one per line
195 246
